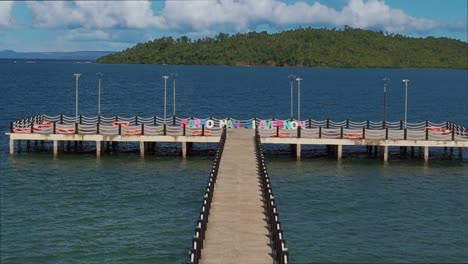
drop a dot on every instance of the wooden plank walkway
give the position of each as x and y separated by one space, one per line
237 231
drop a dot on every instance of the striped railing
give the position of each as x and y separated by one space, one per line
280 251
194 254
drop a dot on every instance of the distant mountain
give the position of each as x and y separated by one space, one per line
76 55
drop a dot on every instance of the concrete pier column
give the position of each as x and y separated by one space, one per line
460 152
142 149
426 153
298 151
339 152
19 146
55 148
385 153
98 148
184 150
12 147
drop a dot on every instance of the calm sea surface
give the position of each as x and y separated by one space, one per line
122 209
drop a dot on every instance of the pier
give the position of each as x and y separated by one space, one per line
336 136
238 221
236 231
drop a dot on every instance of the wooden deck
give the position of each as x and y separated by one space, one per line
237 231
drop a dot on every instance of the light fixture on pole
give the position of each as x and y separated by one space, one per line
99 75
173 95
406 81
291 79
385 100
77 76
165 77
298 79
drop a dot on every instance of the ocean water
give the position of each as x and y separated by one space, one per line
122 209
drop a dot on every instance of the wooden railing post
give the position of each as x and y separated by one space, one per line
203 130
97 129
120 129
54 128
386 133
61 119
328 122
427 134
164 129
142 128
76 128
405 134
368 124
183 131
299 132
363 133
320 131
310 122
341 132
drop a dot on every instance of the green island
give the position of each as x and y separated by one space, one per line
303 47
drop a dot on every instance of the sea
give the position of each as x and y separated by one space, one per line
125 209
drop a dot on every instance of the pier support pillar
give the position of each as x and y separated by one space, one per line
385 153
142 149
426 153
12 147
55 148
18 146
339 152
460 152
184 150
98 148
298 151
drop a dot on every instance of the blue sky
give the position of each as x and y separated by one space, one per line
117 25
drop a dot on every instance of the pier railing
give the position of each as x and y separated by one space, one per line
192 126
194 254
280 251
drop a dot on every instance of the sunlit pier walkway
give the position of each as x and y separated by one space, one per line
237 230
378 136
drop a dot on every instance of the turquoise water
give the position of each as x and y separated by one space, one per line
363 211
114 210
122 209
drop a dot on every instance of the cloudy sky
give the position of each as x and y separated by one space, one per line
116 25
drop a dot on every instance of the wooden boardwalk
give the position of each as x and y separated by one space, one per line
237 231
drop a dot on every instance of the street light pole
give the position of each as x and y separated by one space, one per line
174 95
291 79
298 79
77 76
99 75
165 77
385 100
406 81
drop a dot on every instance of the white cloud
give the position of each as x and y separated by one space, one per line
94 14
236 15
5 13
246 14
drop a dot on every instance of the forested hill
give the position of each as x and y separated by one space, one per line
301 47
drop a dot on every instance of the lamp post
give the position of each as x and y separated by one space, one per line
298 79
77 76
99 75
165 77
385 100
173 95
291 79
406 81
